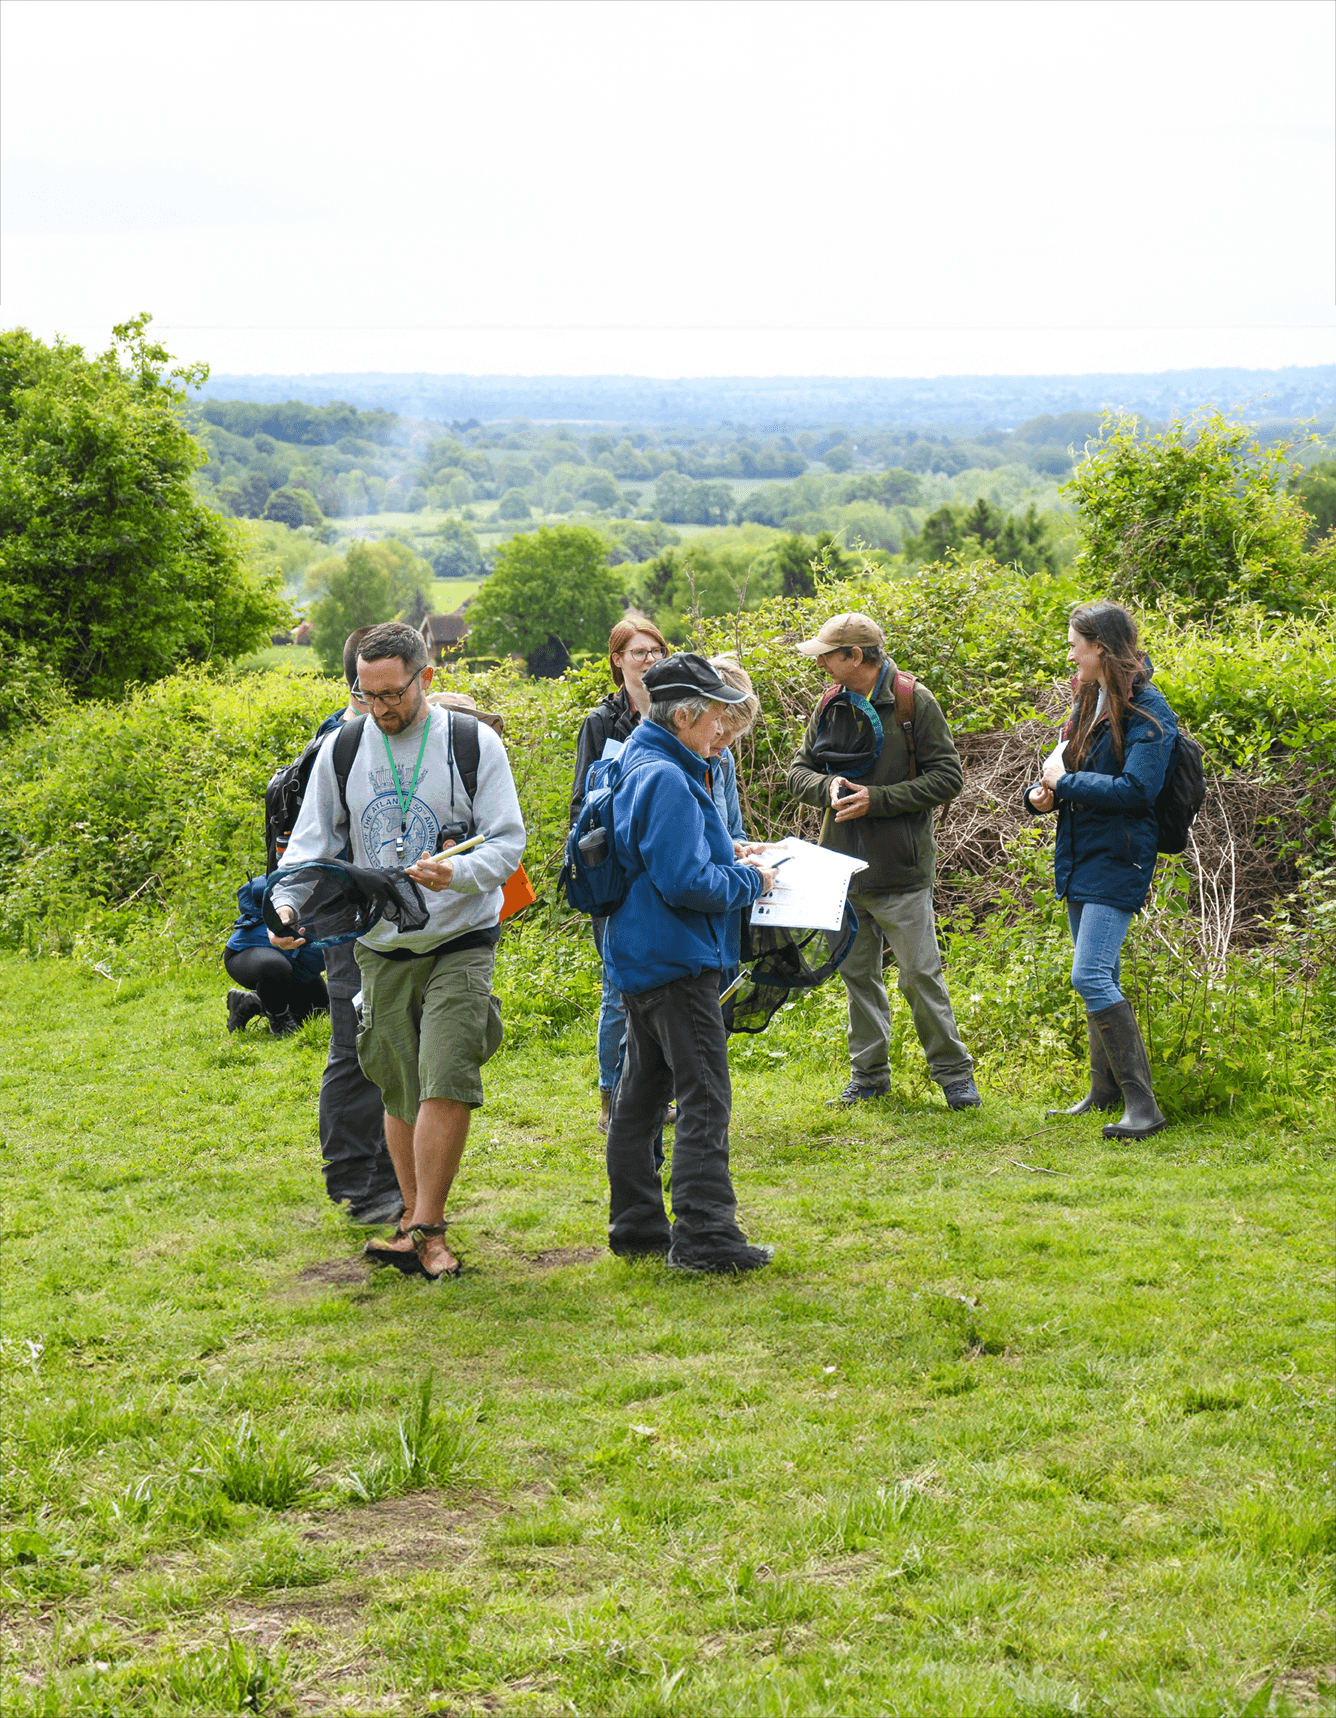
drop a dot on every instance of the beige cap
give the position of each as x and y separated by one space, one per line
842 632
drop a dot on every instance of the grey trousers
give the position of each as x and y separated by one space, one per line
357 1162
675 1042
905 924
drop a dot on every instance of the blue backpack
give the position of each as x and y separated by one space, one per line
593 879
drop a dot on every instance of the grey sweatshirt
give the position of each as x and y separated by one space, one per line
324 829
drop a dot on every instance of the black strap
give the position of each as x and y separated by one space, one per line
346 742
464 742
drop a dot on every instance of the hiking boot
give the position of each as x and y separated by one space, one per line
1123 1045
722 1264
1103 1093
670 1116
283 1025
604 1108
858 1091
962 1094
242 1007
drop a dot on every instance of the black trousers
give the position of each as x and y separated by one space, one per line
675 1043
273 978
357 1162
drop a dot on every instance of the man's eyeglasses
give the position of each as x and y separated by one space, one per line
653 654
391 700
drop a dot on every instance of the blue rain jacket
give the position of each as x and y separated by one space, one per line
250 932
682 914
1107 836
724 793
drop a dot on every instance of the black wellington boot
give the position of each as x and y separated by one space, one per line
1103 1093
1126 1053
242 1007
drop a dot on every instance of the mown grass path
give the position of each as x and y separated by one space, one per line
983 1440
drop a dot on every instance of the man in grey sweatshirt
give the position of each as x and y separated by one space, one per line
429 1019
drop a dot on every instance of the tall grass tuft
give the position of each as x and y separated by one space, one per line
251 1470
429 1447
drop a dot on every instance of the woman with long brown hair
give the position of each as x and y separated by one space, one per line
1103 779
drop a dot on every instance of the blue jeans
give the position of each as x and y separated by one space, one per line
1097 936
611 1024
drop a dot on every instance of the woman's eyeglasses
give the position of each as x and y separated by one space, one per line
651 655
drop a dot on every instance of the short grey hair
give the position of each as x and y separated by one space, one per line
694 703
871 652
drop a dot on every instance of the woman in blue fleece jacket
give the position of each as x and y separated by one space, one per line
665 948
1120 746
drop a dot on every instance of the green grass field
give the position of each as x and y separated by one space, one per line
1018 1422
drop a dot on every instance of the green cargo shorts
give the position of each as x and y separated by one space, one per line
427 1026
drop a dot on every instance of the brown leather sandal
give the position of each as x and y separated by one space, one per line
424 1232
403 1259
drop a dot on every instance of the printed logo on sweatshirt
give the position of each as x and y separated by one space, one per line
381 833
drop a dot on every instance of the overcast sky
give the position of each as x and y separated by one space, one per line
772 187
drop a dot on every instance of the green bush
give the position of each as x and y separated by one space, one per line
1198 514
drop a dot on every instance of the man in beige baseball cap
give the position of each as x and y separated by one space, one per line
877 758
842 632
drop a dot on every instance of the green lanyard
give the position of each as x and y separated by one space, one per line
406 799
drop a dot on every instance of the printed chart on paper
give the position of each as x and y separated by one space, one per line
811 888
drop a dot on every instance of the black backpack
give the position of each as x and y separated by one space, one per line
1182 796
287 786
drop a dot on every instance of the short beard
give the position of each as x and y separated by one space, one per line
407 718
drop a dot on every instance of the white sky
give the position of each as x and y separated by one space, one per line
691 188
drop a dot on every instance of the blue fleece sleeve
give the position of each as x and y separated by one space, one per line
669 829
1150 750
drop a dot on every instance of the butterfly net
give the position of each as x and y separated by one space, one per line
778 964
337 903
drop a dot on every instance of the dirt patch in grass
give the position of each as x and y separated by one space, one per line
1307 1689
420 1531
554 1258
354 1270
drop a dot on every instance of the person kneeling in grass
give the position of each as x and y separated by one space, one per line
429 1019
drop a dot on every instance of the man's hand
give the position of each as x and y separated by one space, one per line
745 849
289 917
767 872
1041 798
849 801
434 870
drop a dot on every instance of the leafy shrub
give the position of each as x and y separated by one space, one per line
110 564
1197 513
155 804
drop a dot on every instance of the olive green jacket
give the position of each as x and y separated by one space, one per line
896 835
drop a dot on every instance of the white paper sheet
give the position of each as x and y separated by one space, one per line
1057 756
811 888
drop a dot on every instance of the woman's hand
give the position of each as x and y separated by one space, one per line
433 870
1041 798
1053 772
746 849
767 872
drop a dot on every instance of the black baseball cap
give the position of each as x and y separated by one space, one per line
689 676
